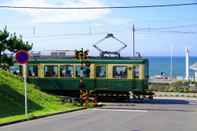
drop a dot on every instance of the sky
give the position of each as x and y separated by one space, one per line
76 29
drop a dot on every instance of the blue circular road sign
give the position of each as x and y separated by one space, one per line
22 57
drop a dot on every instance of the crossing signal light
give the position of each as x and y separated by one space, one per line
86 54
77 54
80 54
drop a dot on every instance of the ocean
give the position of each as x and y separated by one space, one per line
162 64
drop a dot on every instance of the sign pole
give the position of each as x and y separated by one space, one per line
25 87
22 58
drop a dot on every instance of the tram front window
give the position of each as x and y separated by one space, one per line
119 72
66 71
100 71
32 70
50 71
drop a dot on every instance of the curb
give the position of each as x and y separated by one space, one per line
149 109
170 94
39 117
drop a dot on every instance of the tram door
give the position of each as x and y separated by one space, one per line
101 82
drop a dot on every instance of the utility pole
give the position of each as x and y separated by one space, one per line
34 31
133 41
186 63
171 62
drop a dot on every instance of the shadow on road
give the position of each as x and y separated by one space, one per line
160 101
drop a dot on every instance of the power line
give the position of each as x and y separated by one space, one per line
66 35
101 7
92 33
171 31
180 32
102 33
151 29
166 28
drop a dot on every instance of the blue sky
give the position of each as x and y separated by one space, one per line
62 29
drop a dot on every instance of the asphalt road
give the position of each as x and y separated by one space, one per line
119 117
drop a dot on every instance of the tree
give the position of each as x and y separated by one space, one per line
14 44
11 43
3 42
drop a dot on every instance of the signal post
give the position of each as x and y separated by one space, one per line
84 93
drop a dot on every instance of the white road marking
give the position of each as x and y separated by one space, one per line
120 110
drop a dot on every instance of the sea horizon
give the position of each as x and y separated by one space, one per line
158 64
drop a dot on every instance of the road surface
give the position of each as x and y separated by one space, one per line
119 117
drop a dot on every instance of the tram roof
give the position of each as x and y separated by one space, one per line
96 60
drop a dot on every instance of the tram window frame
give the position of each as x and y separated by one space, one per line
78 74
32 71
66 75
121 76
56 73
105 71
136 73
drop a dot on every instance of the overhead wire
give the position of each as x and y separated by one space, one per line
174 31
170 29
139 30
60 36
101 7
63 35
164 28
91 32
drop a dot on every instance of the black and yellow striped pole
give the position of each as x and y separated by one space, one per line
84 93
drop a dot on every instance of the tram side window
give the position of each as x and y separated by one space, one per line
16 69
86 71
136 71
66 71
100 71
119 72
50 71
77 71
33 70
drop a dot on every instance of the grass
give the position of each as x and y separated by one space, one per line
39 103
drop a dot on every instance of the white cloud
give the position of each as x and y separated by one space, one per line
53 16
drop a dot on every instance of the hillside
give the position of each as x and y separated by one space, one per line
12 99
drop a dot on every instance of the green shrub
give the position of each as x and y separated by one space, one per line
179 86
